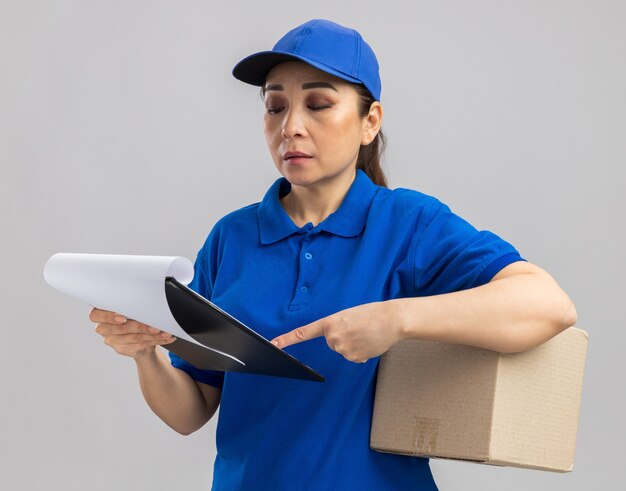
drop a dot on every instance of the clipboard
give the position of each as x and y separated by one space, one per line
209 325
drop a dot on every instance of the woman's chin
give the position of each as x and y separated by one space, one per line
299 175
312 176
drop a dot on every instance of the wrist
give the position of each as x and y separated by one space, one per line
402 313
147 358
400 319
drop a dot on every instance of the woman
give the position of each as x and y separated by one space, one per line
337 268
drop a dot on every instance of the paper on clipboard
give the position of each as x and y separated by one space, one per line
131 285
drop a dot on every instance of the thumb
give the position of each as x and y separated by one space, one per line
304 333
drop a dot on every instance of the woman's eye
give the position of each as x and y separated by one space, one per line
318 108
312 107
273 110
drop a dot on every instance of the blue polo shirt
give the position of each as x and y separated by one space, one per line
282 434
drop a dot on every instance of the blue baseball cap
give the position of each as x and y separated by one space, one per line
328 46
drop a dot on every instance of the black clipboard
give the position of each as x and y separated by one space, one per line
211 326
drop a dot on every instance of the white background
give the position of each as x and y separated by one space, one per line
123 131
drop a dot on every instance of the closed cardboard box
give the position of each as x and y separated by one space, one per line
459 402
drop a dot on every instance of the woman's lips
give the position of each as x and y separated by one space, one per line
296 160
296 157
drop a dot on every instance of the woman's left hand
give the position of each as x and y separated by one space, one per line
358 333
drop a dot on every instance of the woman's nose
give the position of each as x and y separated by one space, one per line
293 124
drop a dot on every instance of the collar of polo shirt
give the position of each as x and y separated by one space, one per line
347 221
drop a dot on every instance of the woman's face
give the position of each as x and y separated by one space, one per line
313 113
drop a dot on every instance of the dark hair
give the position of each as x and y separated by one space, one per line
370 156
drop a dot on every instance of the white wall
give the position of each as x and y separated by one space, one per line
122 131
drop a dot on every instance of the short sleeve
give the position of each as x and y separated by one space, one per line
209 377
451 255
202 283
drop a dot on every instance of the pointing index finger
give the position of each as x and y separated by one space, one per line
304 333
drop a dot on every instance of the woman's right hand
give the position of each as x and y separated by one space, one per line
128 337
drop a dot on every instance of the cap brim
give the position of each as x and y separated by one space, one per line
254 68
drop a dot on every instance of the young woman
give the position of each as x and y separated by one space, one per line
337 268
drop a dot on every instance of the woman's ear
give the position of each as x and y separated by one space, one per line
371 123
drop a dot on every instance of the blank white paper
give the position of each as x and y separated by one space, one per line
131 285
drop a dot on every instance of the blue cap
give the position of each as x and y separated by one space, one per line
323 44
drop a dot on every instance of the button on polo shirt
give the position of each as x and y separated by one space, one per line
256 264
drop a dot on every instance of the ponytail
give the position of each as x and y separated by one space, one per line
370 156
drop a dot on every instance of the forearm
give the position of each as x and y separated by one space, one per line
173 395
511 314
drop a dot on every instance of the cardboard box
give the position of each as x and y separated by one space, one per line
459 402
